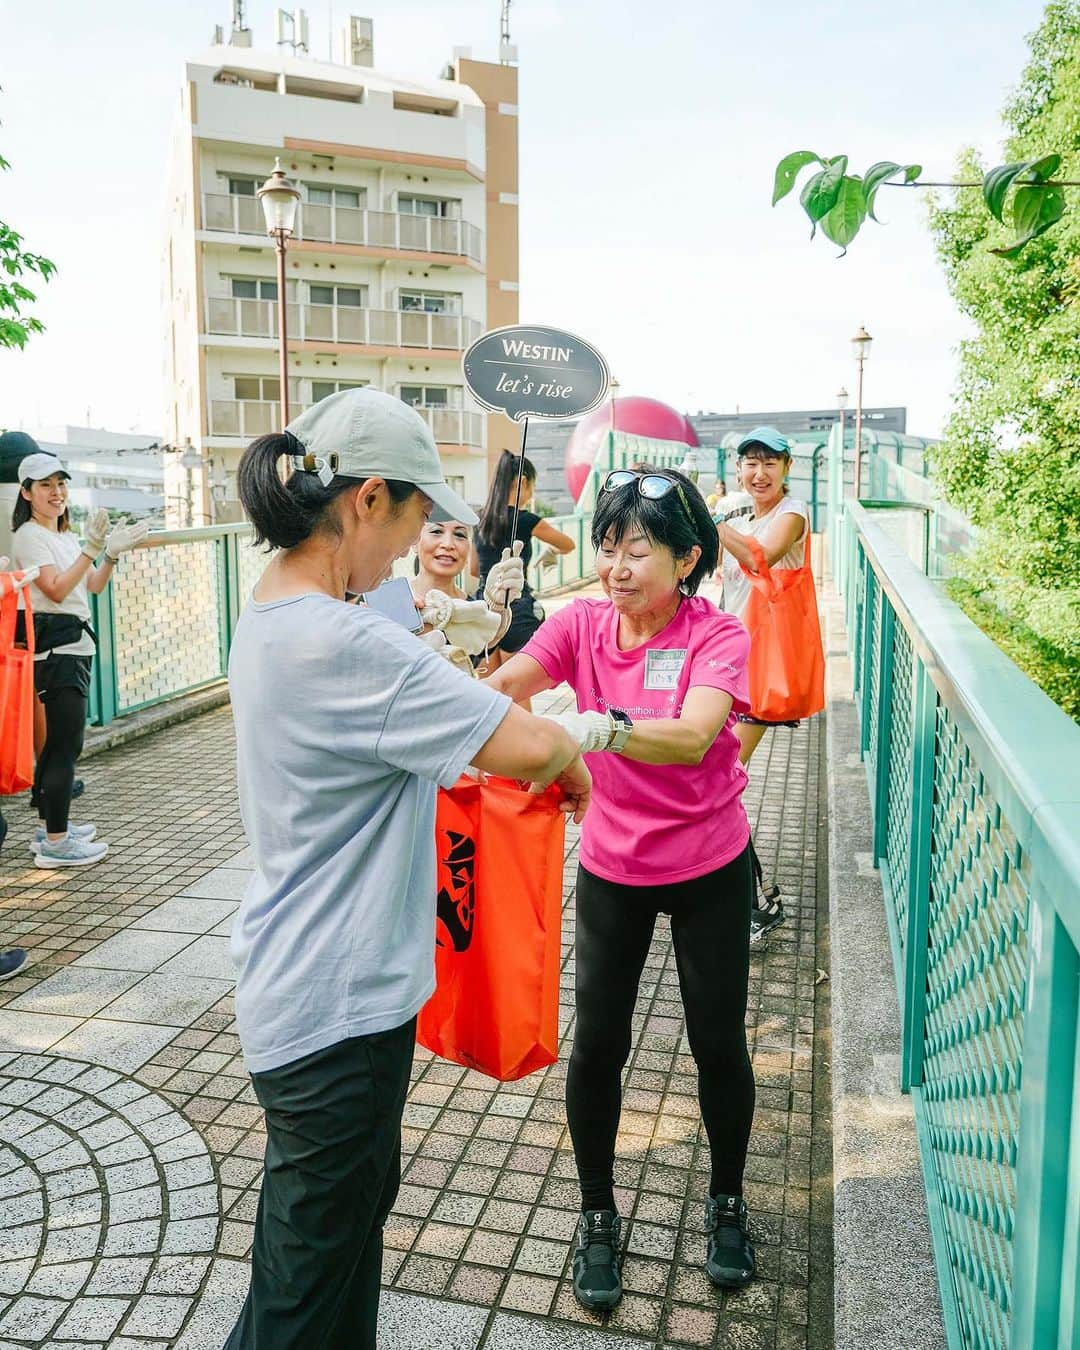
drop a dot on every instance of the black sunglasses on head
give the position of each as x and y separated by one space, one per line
652 486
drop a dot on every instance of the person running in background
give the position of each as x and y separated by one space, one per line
493 535
779 523
64 642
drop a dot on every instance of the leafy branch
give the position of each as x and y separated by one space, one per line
16 325
840 203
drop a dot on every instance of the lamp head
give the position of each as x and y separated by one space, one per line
842 397
279 199
860 344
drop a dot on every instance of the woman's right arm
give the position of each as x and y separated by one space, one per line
548 534
539 751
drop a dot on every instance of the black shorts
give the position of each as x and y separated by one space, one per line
62 672
526 616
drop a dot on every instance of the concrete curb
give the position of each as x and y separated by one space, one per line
886 1292
124 729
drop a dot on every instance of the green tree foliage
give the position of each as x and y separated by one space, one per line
1010 457
16 264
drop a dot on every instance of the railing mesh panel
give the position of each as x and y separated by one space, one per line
167 621
901 766
976 977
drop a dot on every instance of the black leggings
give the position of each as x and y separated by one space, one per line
65 725
710 923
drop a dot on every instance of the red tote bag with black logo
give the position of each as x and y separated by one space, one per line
498 929
786 670
16 691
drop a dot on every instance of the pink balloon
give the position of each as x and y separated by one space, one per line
640 416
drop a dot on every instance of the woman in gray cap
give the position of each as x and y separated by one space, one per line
778 522
346 723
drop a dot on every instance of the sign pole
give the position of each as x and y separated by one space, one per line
517 495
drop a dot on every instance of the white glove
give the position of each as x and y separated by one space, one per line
5 563
124 537
468 624
546 557
506 580
94 532
591 730
437 641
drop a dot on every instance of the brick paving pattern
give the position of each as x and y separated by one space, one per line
131 1141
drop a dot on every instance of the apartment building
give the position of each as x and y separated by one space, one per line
405 249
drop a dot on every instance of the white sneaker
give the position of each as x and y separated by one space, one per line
84 832
70 852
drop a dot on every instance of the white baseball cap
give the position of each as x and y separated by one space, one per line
365 433
41 465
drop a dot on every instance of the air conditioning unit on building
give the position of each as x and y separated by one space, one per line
358 42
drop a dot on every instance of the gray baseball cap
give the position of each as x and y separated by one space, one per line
364 433
40 465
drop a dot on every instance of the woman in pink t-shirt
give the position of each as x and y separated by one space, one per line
660 675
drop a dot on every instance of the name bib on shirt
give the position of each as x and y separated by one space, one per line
663 668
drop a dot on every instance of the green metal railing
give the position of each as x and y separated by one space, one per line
974 780
165 624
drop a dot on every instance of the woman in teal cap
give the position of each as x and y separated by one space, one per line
778 522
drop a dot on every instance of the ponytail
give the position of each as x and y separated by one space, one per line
285 514
495 518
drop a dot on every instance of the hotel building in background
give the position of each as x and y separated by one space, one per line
405 249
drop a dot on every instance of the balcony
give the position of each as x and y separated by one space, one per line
230 317
349 225
248 418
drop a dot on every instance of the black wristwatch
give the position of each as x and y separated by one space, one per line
621 733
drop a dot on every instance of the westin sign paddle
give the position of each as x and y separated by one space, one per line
525 371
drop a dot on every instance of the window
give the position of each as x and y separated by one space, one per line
432 302
242 187
439 207
336 196
262 388
431 395
251 288
321 389
353 297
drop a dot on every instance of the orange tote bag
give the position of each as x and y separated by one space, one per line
787 664
498 929
16 691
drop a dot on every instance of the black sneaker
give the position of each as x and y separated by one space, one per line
11 962
597 1283
763 919
729 1253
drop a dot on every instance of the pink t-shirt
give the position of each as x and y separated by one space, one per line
650 824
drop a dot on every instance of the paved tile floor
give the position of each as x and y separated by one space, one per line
131 1141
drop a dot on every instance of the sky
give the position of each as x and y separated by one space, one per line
649 137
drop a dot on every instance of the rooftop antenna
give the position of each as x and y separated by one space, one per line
507 50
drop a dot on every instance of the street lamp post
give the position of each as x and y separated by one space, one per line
860 346
279 199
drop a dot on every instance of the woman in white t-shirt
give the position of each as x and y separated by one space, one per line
64 642
778 523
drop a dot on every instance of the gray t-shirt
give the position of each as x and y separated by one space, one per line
345 723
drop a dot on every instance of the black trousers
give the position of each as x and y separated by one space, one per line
710 927
333 1165
65 726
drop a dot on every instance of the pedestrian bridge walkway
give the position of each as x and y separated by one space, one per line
925 834
131 1141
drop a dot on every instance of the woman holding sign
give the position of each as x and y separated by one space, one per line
660 675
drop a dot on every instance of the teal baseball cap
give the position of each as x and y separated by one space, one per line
768 437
